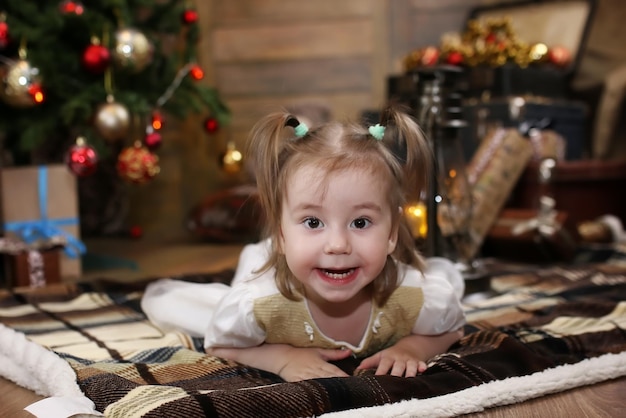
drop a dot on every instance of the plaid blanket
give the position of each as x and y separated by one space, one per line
561 325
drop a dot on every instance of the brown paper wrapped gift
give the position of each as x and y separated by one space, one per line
23 189
492 173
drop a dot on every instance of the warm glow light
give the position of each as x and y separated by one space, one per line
452 173
415 214
36 93
196 72
157 120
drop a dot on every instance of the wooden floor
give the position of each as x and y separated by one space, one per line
138 260
128 260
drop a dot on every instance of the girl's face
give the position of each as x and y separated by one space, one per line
336 238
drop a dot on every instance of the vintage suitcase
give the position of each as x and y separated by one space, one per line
555 23
512 96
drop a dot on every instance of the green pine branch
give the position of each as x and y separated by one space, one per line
54 43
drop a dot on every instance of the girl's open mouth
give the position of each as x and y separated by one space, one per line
338 274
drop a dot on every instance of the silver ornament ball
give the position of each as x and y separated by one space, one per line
112 120
132 49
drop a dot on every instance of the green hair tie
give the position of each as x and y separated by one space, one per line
377 131
301 130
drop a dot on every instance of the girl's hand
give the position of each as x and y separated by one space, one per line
290 363
408 356
311 363
395 360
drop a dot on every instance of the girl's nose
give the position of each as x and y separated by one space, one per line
337 243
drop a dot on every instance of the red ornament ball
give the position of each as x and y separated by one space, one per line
96 59
454 58
137 164
430 56
560 56
82 159
211 125
4 34
135 232
190 16
72 7
153 140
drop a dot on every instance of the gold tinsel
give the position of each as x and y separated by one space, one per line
489 42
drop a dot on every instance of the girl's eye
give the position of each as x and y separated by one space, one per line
312 223
361 223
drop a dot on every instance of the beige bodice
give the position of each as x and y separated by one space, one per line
290 322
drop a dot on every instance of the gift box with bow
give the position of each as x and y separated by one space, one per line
39 207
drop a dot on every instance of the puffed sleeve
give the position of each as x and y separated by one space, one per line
233 324
443 287
251 259
182 306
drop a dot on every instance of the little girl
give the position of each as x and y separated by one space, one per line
339 274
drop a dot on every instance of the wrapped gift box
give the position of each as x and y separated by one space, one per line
30 265
492 173
40 204
22 268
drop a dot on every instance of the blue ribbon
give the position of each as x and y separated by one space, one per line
44 228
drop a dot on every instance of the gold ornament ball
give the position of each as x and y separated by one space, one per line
132 49
112 120
538 53
17 79
231 160
137 164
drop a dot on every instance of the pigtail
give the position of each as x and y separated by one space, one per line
263 150
407 141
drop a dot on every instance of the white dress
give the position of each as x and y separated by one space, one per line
252 311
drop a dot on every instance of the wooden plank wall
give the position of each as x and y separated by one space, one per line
275 53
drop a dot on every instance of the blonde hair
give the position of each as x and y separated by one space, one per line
402 159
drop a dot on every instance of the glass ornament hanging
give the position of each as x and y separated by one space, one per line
211 125
152 139
137 164
96 58
189 16
4 31
132 50
81 158
112 120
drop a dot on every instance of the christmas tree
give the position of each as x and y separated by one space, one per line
100 71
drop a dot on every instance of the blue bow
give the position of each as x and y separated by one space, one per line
44 228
